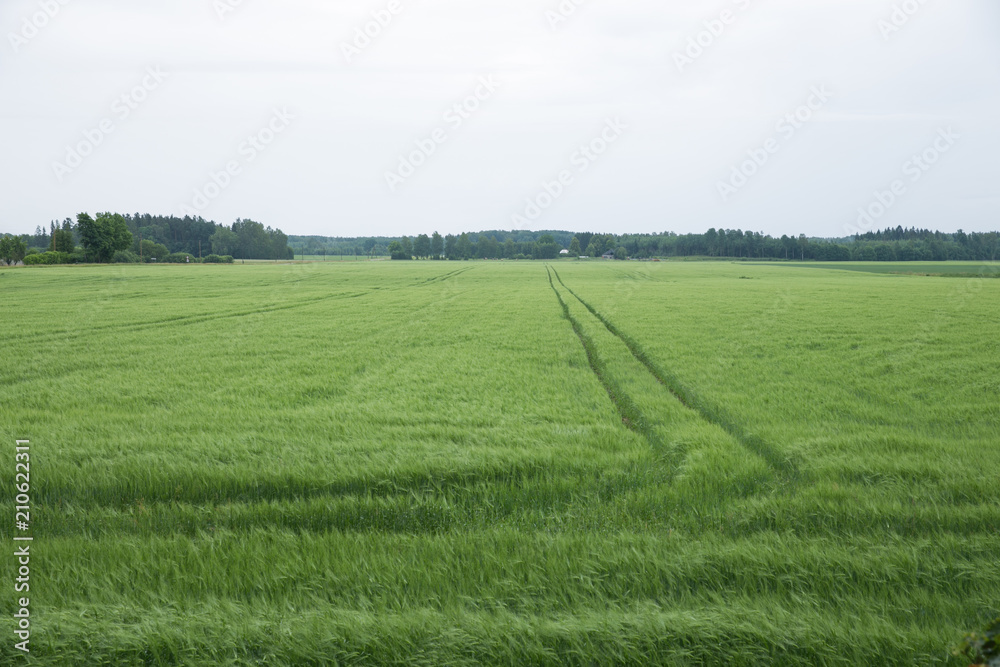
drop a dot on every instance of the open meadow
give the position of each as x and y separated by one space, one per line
462 463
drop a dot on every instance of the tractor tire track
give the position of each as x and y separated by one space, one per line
631 415
184 320
143 326
713 414
447 276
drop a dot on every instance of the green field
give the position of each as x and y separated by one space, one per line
338 258
945 269
462 463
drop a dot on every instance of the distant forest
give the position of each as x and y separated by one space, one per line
890 245
246 239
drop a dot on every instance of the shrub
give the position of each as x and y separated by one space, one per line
218 259
125 257
179 258
152 250
48 258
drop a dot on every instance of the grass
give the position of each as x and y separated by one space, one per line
338 258
502 463
937 269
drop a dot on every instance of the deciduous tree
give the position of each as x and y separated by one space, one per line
422 246
62 239
437 246
104 236
574 247
12 249
224 241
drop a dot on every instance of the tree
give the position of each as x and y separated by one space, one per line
574 247
488 247
884 252
803 243
223 241
712 242
547 248
12 250
277 246
252 240
866 253
621 253
62 239
906 252
788 244
509 249
398 252
422 246
39 240
597 246
104 236
152 250
992 245
451 247
463 247
437 246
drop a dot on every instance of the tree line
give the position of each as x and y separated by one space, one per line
166 237
885 246
466 246
112 237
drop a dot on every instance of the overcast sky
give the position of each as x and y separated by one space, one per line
285 112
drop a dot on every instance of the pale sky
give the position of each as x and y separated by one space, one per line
132 106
